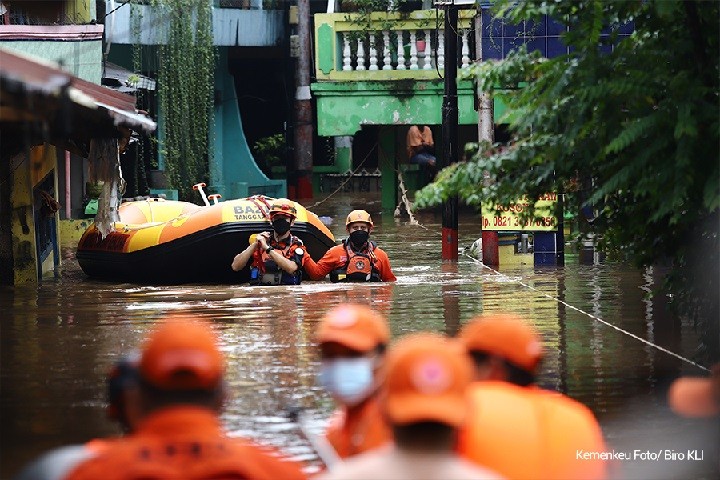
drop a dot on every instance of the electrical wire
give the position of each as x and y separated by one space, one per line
116 9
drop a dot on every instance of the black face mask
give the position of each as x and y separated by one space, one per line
281 225
359 237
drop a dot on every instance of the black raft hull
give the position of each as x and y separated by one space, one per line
201 257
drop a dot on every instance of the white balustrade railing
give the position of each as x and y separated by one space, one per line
420 49
465 50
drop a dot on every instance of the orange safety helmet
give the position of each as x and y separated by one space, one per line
283 206
356 326
358 216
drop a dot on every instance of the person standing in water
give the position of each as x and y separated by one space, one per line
356 259
277 256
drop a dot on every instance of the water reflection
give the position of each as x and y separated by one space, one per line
60 339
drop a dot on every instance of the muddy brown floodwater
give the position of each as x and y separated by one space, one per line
59 340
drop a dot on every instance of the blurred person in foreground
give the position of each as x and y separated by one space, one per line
423 398
352 339
515 428
174 410
356 259
696 397
699 398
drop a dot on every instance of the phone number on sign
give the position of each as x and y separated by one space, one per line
517 222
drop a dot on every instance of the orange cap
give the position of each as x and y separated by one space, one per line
182 354
694 397
506 336
355 326
426 376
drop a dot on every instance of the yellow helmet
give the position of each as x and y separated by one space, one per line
283 206
358 216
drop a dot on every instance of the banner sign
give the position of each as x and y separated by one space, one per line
508 217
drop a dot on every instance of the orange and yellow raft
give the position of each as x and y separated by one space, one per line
165 241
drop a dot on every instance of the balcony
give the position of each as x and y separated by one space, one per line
387 69
386 46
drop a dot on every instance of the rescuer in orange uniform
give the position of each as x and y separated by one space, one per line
277 256
356 259
516 428
423 397
352 340
175 411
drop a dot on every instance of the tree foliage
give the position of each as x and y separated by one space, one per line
635 127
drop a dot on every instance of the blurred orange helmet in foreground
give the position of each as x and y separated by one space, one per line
506 336
182 354
696 397
355 326
425 380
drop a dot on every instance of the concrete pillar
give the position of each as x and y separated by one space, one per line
388 177
24 250
343 153
490 253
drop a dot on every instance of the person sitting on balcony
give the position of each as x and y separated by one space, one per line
420 146
421 150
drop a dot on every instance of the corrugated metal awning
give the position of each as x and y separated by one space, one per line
32 88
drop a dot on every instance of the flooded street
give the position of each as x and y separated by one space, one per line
59 340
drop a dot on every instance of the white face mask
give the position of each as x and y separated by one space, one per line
350 380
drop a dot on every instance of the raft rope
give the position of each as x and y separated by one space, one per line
255 198
594 317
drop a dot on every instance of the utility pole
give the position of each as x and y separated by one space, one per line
303 108
450 132
486 133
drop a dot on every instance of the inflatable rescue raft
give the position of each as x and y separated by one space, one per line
171 242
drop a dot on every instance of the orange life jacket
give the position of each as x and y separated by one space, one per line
264 270
359 266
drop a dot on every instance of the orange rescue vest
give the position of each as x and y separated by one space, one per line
264 270
359 266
